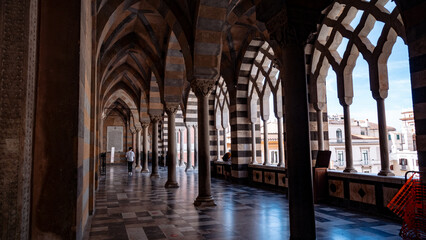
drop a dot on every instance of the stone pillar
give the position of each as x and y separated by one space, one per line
182 156
301 205
218 144
383 138
265 143
320 130
202 89
133 131
154 121
145 168
253 143
171 110
188 146
138 150
195 146
224 141
348 139
280 143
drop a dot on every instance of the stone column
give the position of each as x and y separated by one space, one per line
383 137
202 89
182 157
348 139
280 142
301 205
195 146
145 168
188 146
253 143
218 144
138 150
224 141
265 143
171 110
133 131
154 121
320 130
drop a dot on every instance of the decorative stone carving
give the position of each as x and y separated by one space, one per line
202 87
156 118
171 108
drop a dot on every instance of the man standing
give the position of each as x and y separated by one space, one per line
130 155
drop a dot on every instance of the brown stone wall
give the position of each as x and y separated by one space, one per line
18 25
115 120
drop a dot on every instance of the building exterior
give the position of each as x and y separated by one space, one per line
402 146
365 144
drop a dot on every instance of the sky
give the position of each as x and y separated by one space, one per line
364 106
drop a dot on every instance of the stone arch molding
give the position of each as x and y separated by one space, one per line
339 30
122 95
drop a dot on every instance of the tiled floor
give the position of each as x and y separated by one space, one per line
137 207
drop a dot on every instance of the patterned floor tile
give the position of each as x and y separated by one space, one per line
138 207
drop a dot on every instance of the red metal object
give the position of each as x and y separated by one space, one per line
410 204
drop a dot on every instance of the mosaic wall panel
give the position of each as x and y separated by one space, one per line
257 176
282 180
388 194
362 193
335 188
270 178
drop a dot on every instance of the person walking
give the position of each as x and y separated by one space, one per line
130 155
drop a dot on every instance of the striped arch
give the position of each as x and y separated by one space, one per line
208 39
174 75
155 105
129 102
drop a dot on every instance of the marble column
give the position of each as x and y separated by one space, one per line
265 143
138 150
188 146
218 144
320 130
280 142
171 110
133 131
202 89
253 143
383 138
182 157
300 192
348 139
225 149
195 146
145 148
154 121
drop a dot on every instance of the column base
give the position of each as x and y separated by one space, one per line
170 184
188 169
350 170
145 170
138 168
386 173
154 175
203 202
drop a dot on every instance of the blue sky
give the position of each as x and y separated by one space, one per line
364 106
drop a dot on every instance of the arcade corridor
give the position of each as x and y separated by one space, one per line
139 207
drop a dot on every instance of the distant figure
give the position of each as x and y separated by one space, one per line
130 155
226 157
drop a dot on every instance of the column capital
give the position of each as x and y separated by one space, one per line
138 129
156 118
171 108
145 124
202 87
132 130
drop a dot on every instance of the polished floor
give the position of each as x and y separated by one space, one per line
138 207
